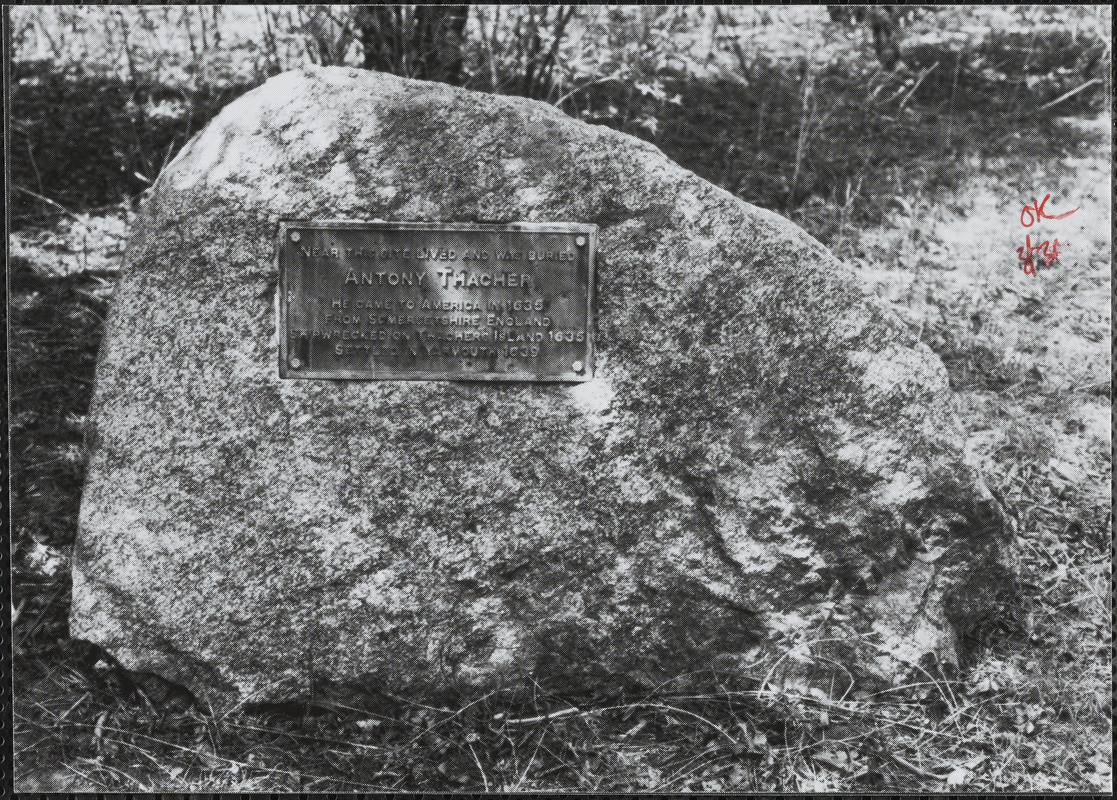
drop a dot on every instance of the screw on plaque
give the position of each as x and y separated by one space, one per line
295 236
295 363
581 240
578 367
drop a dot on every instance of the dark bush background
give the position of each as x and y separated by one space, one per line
758 101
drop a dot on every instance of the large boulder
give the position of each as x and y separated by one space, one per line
766 458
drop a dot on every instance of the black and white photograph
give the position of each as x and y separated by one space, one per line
576 399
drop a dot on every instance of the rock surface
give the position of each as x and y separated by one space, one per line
766 458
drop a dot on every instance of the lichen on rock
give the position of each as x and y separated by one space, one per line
765 458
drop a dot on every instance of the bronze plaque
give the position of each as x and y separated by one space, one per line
432 301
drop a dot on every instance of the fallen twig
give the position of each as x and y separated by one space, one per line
54 203
566 712
922 75
1071 93
917 770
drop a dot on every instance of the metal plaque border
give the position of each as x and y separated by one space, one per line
589 230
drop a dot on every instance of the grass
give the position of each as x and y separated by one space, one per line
925 208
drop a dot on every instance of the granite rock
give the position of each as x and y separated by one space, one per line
766 458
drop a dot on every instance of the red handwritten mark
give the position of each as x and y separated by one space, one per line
1025 254
1035 212
1050 258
